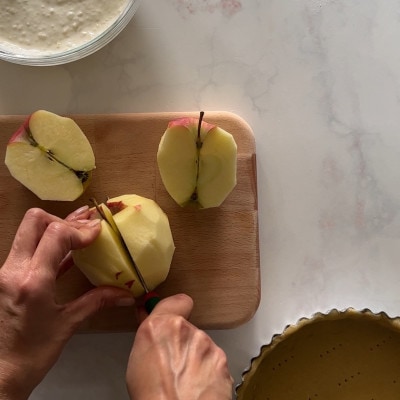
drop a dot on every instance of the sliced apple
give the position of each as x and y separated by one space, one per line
145 229
145 237
197 162
105 261
51 156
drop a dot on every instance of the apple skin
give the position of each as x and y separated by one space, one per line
51 156
197 167
21 134
145 229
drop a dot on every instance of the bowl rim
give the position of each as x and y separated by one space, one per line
81 51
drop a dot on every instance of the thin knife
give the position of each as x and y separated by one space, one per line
151 298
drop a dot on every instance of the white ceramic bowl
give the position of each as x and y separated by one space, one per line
340 355
78 52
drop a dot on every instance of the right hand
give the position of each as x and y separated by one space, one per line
173 360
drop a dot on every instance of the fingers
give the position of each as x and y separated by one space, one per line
59 238
29 233
32 228
95 300
80 213
179 304
65 264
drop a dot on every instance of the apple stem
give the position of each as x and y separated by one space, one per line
98 208
193 197
198 143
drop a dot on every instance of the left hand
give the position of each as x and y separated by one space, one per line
33 327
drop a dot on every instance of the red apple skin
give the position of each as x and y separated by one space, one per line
190 122
115 206
21 134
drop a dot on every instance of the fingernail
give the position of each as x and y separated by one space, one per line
125 302
81 210
94 222
83 221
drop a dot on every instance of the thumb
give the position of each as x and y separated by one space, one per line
95 300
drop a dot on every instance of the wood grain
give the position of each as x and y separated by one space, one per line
217 252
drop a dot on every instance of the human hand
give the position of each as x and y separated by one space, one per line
173 360
33 327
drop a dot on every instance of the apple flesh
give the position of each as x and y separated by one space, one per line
51 156
142 233
197 162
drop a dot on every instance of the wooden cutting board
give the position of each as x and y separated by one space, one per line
217 253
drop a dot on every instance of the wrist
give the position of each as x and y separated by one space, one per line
12 385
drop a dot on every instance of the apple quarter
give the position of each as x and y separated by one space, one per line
105 262
217 168
177 162
50 156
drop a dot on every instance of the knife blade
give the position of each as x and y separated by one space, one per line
151 298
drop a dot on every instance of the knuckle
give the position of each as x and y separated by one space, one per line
151 325
207 346
164 325
179 326
57 228
28 287
203 338
35 213
59 231
221 355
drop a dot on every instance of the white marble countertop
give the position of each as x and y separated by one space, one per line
319 83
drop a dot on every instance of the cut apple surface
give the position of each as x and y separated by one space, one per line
177 161
141 233
197 162
51 156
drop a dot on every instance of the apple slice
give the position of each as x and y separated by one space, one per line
51 156
145 229
197 162
105 261
145 237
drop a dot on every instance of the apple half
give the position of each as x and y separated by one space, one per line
51 156
141 232
197 162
